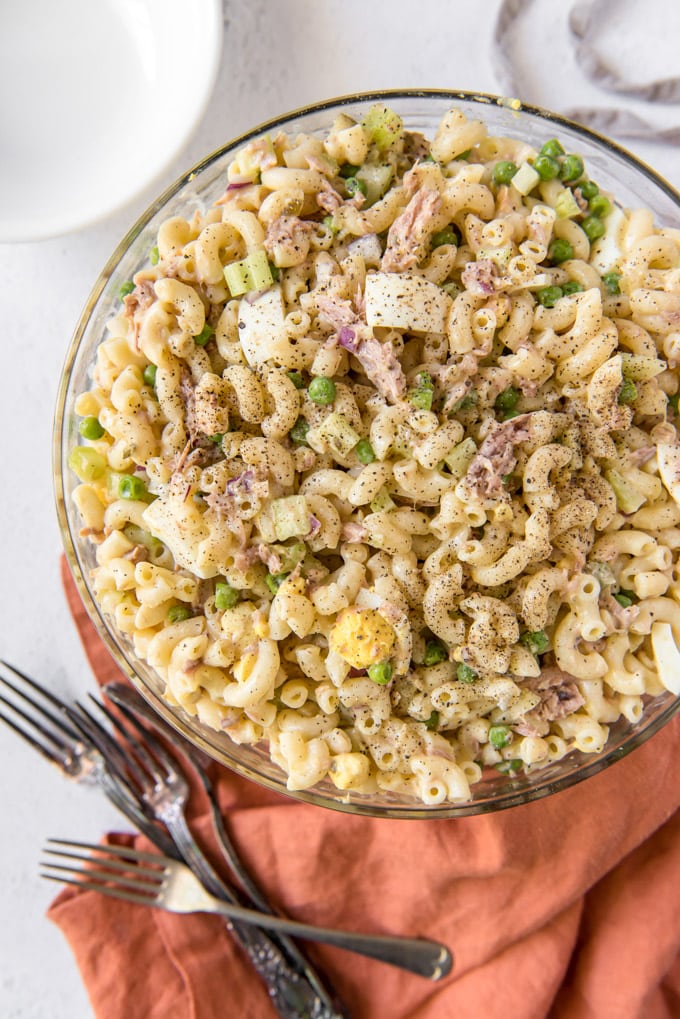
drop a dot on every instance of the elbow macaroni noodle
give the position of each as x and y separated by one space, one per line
408 508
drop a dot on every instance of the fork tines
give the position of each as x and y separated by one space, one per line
32 717
119 871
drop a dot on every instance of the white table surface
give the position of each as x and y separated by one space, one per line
277 56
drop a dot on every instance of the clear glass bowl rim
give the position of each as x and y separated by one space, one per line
519 791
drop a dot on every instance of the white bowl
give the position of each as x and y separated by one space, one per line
98 98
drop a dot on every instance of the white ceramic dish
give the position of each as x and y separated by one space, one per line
97 99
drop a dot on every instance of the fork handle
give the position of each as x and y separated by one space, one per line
417 955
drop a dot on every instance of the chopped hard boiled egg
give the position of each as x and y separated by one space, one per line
362 637
398 301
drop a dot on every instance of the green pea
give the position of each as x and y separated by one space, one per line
552 148
500 736
537 641
321 390
466 403
593 227
433 721
421 397
149 375
364 452
560 250
546 167
225 596
348 170
154 255
572 287
503 171
628 392
571 168
217 438
674 402
297 379
274 581
131 487
125 289
446 236
91 428
435 652
380 673
508 399
588 189
465 673
177 613
354 184
298 432
599 205
610 281
204 335
549 296
624 598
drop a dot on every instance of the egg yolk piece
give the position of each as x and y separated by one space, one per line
362 637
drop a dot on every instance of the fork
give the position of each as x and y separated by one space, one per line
150 775
59 734
152 880
126 696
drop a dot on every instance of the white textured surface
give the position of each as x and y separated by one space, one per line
277 56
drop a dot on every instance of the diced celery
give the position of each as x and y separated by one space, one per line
525 180
602 572
566 205
259 270
628 498
377 180
639 367
290 555
236 278
141 537
383 125
338 433
460 457
87 463
252 273
290 516
382 501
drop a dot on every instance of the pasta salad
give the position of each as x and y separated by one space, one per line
380 457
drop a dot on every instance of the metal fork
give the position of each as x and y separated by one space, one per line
150 775
125 696
59 734
152 880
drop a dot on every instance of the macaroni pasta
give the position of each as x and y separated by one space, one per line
381 457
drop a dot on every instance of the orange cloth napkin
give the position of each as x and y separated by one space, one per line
567 908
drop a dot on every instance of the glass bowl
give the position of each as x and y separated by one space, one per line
633 183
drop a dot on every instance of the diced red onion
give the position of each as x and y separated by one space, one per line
236 184
347 339
314 527
241 483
